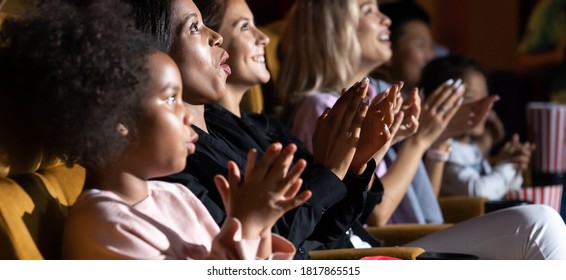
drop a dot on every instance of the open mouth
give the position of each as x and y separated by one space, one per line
384 37
223 64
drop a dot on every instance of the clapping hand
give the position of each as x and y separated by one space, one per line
269 189
382 121
516 152
411 110
469 115
338 130
438 111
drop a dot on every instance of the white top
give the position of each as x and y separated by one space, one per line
467 172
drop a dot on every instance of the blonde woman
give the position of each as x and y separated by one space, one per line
318 62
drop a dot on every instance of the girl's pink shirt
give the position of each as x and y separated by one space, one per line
170 223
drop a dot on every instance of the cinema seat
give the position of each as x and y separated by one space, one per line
36 193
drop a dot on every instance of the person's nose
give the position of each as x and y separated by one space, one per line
215 39
384 19
187 116
261 38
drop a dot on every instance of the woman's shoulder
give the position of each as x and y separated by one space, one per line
317 101
325 97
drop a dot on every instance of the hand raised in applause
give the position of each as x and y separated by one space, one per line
382 121
411 109
468 116
437 112
337 132
269 189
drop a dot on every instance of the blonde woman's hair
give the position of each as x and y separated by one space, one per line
320 49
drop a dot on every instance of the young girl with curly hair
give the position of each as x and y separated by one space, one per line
91 90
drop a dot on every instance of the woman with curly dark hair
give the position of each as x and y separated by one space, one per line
91 90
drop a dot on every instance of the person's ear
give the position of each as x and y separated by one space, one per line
122 129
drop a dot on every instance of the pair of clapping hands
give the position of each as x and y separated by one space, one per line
516 152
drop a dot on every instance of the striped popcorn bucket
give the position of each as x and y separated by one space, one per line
548 195
547 128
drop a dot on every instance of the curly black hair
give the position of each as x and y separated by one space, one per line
69 75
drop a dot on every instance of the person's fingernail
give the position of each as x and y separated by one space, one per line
354 86
461 88
457 83
401 84
359 85
395 88
386 92
460 101
365 81
449 82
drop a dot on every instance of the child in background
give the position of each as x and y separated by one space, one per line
467 170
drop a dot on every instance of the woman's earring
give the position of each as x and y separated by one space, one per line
121 129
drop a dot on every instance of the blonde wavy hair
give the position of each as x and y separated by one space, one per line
319 49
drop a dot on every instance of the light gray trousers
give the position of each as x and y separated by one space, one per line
524 232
